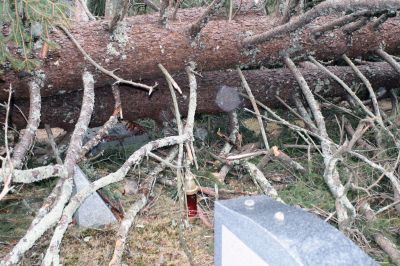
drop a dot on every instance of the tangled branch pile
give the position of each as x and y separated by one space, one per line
330 30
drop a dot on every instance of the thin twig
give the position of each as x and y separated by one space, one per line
158 158
388 58
229 145
383 209
255 107
367 84
53 144
123 230
299 106
395 102
344 85
170 78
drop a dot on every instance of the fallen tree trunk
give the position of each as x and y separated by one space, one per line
143 43
63 110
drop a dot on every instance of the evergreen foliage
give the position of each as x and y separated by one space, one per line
25 24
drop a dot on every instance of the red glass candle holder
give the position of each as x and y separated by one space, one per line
191 201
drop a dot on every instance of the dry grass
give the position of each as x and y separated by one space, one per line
154 240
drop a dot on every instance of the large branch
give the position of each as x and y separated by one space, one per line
63 110
218 46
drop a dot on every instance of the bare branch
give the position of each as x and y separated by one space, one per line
382 19
131 214
7 164
347 88
360 141
86 9
124 229
201 22
367 84
325 8
192 98
33 123
337 23
229 145
331 174
52 255
150 4
119 15
388 246
289 8
49 219
163 9
395 102
37 174
259 179
177 5
352 27
111 122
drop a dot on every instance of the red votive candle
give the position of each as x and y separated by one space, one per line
191 201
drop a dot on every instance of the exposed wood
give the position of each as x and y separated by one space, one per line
63 110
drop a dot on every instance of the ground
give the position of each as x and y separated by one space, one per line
154 239
158 237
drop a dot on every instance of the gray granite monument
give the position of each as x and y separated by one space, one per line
260 231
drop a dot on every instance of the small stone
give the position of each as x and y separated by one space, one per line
87 239
200 133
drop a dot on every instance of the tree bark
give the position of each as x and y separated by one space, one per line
218 46
63 110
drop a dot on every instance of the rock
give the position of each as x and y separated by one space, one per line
261 231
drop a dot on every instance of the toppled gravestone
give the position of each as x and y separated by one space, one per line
93 212
261 231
